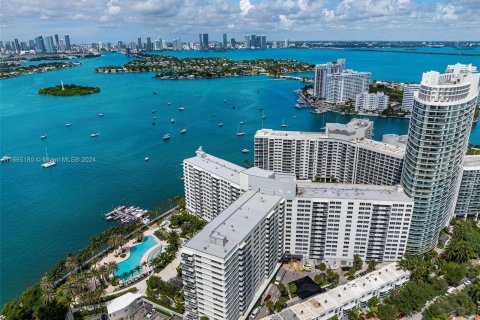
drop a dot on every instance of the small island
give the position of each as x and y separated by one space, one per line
67 90
11 69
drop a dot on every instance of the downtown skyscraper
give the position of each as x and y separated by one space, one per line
438 134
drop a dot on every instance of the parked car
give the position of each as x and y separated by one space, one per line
255 312
151 313
467 282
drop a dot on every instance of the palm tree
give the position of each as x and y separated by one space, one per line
112 267
71 263
474 291
46 283
372 264
48 295
103 273
94 262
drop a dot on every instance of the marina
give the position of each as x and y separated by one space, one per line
125 214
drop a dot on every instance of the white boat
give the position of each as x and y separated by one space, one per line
68 124
181 108
263 116
5 159
240 133
153 111
166 137
220 124
94 134
183 131
43 137
147 158
48 163
168 103
101 114
245 151
284 125
154 117
242 122
225 100
172 120
294 117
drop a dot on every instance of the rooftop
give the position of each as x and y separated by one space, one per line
342 295
351 191
393 150
122 302
472 163
222 168
228 230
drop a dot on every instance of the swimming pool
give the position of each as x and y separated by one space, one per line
135 258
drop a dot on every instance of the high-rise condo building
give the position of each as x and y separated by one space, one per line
335 84
139 43
17 45
408 92
342 154
263 42
321 71
229 263
67 43
49 45
204 45
149 45
247 43
468 200
371 102
224 41
253 41
57 42
438 134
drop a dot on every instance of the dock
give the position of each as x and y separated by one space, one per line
125 214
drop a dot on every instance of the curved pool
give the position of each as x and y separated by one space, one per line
135 258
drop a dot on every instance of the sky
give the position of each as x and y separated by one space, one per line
89 21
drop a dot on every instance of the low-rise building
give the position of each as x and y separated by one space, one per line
124 306
371 102
342 299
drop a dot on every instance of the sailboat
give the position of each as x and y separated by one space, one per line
94 134
220 124
101 114
48 163
172 120
240 133
43 137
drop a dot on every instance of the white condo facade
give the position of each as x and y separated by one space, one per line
438 137
233 258
335 84
342 299
408 93
369 102
468 200
343 152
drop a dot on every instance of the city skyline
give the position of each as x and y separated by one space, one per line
92 21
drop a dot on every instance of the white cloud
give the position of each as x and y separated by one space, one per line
245 7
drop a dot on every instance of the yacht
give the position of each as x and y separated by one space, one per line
294 117
181 108
5 159
101 114
94 134
166 137
242 122
154 117
168 103
220 124
172 120
146 159
225 100
48 163
43 137
260 108
68 124
214 114
240 133
245 151
183 131
153 111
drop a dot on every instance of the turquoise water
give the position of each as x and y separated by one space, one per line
135 258
46 213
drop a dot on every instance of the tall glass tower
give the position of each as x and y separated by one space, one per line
438 137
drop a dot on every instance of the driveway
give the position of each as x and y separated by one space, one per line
272 290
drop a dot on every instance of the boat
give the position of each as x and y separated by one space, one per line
242 122
153 111
94 134
154 117
294 117
168 103
48 163
260 108
5 159
214 114
154 93
166 137
245 151
284 125
264 117
225 100
43 137
172 120
220 124
147 158
181 108
68 124
233 106
183 131
240 133
101 114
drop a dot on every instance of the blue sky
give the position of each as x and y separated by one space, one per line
112 20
